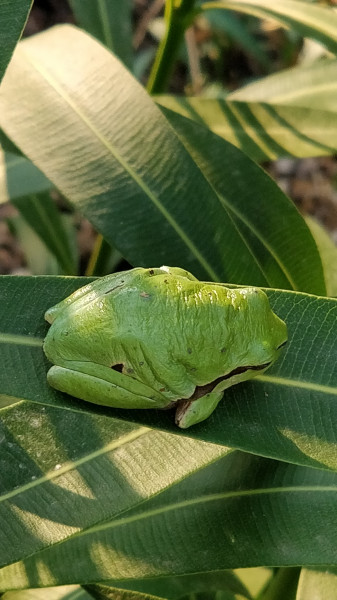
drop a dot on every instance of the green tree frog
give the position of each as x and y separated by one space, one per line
156 338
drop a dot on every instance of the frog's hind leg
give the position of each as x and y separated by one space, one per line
102 385
192 411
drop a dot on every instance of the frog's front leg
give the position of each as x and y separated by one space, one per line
192 411
105 386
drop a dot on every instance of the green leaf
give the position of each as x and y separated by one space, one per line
263 131
118 160
37 257
328 252
7 145
313 86
251 512
19 177
110 22
307 19
286 255
317 584
119 178
40 212
27 188
13 16
63 471
290 413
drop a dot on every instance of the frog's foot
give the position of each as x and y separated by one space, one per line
192 411
206 397
105 386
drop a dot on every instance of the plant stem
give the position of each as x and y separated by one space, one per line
178 17
99 257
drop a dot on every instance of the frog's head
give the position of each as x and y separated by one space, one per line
231 331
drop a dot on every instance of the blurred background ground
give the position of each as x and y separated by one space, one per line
223 64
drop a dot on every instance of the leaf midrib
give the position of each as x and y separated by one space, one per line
20 340
297 383
261 239
203 500
72 465
185 504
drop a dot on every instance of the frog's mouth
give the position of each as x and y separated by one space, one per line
202 390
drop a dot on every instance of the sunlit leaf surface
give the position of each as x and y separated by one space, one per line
311 86
317 584
62 472
263 131
239 512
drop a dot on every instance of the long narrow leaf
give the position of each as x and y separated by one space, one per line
310 86
308 19
62 472
274 232
41 214
261 130
110 22
105 162
13 15
118 160
328 252
276 514
19 177
38 259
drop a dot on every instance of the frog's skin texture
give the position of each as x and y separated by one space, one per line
155 338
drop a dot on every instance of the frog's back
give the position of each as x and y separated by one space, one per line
166 311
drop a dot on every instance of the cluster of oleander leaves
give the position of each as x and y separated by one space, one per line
109 504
